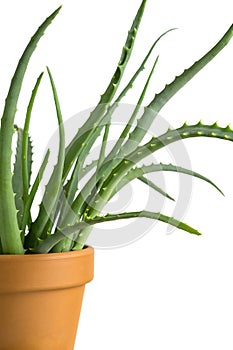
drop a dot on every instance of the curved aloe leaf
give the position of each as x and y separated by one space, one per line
62 206
33 192
155 187
17 182
48 244
10 233
67 188
25 143
123 93
169 91
142 152
68 194
137 172
17 179
126 130
29 160
53 187
102 154
186 131
78 142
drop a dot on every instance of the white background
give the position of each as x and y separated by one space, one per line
164 291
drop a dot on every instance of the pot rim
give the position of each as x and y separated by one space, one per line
37 272
87 250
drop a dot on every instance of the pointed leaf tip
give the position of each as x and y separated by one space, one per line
54 14
58 9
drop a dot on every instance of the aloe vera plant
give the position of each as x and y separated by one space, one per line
68 212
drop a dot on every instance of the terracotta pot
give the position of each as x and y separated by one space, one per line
41 297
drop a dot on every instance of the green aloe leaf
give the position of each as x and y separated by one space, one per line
122 94
52 190
71 186
79 141
17 182
25 142
46 245
156 143
17 179
68 194
126 130
169 91
29 160
154 187
33 191
137 172
10 233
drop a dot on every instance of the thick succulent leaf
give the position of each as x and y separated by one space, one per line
73 183
155 187
10 233
72 215
17 182
46 245
52 190
119 98
69 191
78 143
141 67
184 132
102 154
111 159
26 144
169 91
137 172
33 191
119 172
127 128
17 179
29 160
62 208
64 194
125 56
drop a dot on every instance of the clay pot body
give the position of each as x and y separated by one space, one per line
41 297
